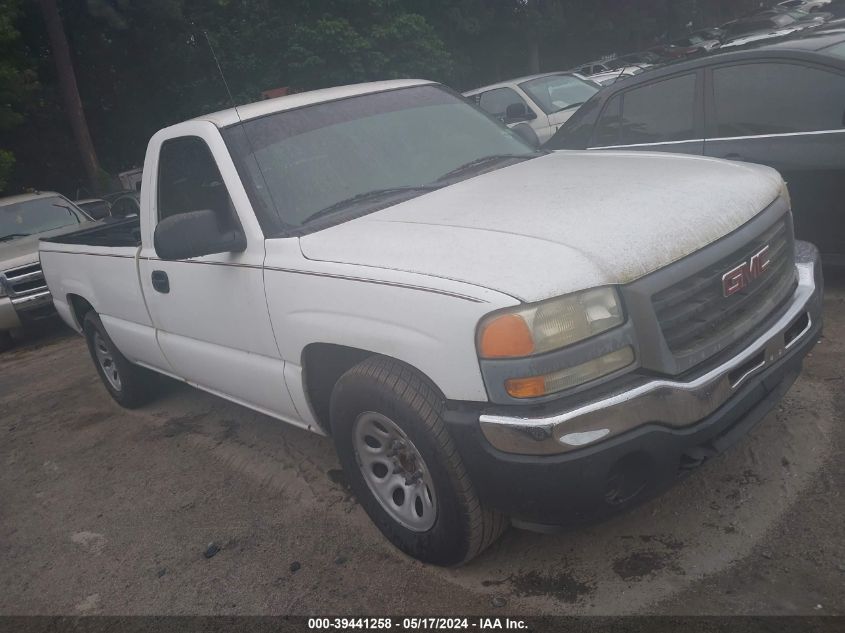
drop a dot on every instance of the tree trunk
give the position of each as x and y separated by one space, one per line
70 92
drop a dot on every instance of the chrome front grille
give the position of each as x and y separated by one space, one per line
24 282
694 313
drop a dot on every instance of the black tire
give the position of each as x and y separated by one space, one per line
463 528
6 341
135 385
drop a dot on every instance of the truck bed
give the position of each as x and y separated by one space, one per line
126 232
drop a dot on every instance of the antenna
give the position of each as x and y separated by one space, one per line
243 129
220 70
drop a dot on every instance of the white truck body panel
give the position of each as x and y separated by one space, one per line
237 324
238 341
386 279
428 323
108 279
590 228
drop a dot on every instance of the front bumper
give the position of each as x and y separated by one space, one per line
25 297
601 456
8 315
19 311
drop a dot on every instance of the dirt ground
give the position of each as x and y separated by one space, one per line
105 511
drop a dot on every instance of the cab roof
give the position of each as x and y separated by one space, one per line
225 118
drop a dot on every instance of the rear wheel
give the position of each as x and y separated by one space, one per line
131 386
403 466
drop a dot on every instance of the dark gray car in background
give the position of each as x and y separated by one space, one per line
781 105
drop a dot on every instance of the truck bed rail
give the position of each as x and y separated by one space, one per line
126 232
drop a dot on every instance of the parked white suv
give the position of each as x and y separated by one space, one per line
545 101
487 336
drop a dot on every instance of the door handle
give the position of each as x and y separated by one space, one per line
160 281
733 156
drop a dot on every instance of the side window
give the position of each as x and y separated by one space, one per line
609 124
776 98
188 180
496 101
659 112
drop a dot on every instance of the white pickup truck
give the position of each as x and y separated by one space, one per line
488 337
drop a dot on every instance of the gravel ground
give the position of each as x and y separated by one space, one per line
193 505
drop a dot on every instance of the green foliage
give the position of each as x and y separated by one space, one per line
333 51
145 64
17 81
7 162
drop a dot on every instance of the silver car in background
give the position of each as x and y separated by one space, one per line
545 102
24 219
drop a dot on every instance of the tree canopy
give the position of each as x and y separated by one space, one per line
144 64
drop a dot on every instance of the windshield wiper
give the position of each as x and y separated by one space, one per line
480 162
12 236
366 196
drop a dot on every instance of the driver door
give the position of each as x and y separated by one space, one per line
210 312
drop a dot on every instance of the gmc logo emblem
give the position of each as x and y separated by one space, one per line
743 275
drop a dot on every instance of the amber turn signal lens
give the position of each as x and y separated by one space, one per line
569 377
526 387
507 336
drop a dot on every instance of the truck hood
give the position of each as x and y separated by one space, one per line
558 223
24 250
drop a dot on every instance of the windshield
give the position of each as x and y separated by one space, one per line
349 156
39 215
559 92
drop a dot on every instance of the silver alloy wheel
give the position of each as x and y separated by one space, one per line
394 471
106 360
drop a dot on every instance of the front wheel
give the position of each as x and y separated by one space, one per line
6 341
130 386
403 466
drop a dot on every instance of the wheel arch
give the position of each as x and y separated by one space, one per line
79 307
322 366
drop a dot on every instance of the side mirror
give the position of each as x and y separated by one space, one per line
527 134
518 112
194 234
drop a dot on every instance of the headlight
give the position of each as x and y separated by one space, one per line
549 325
